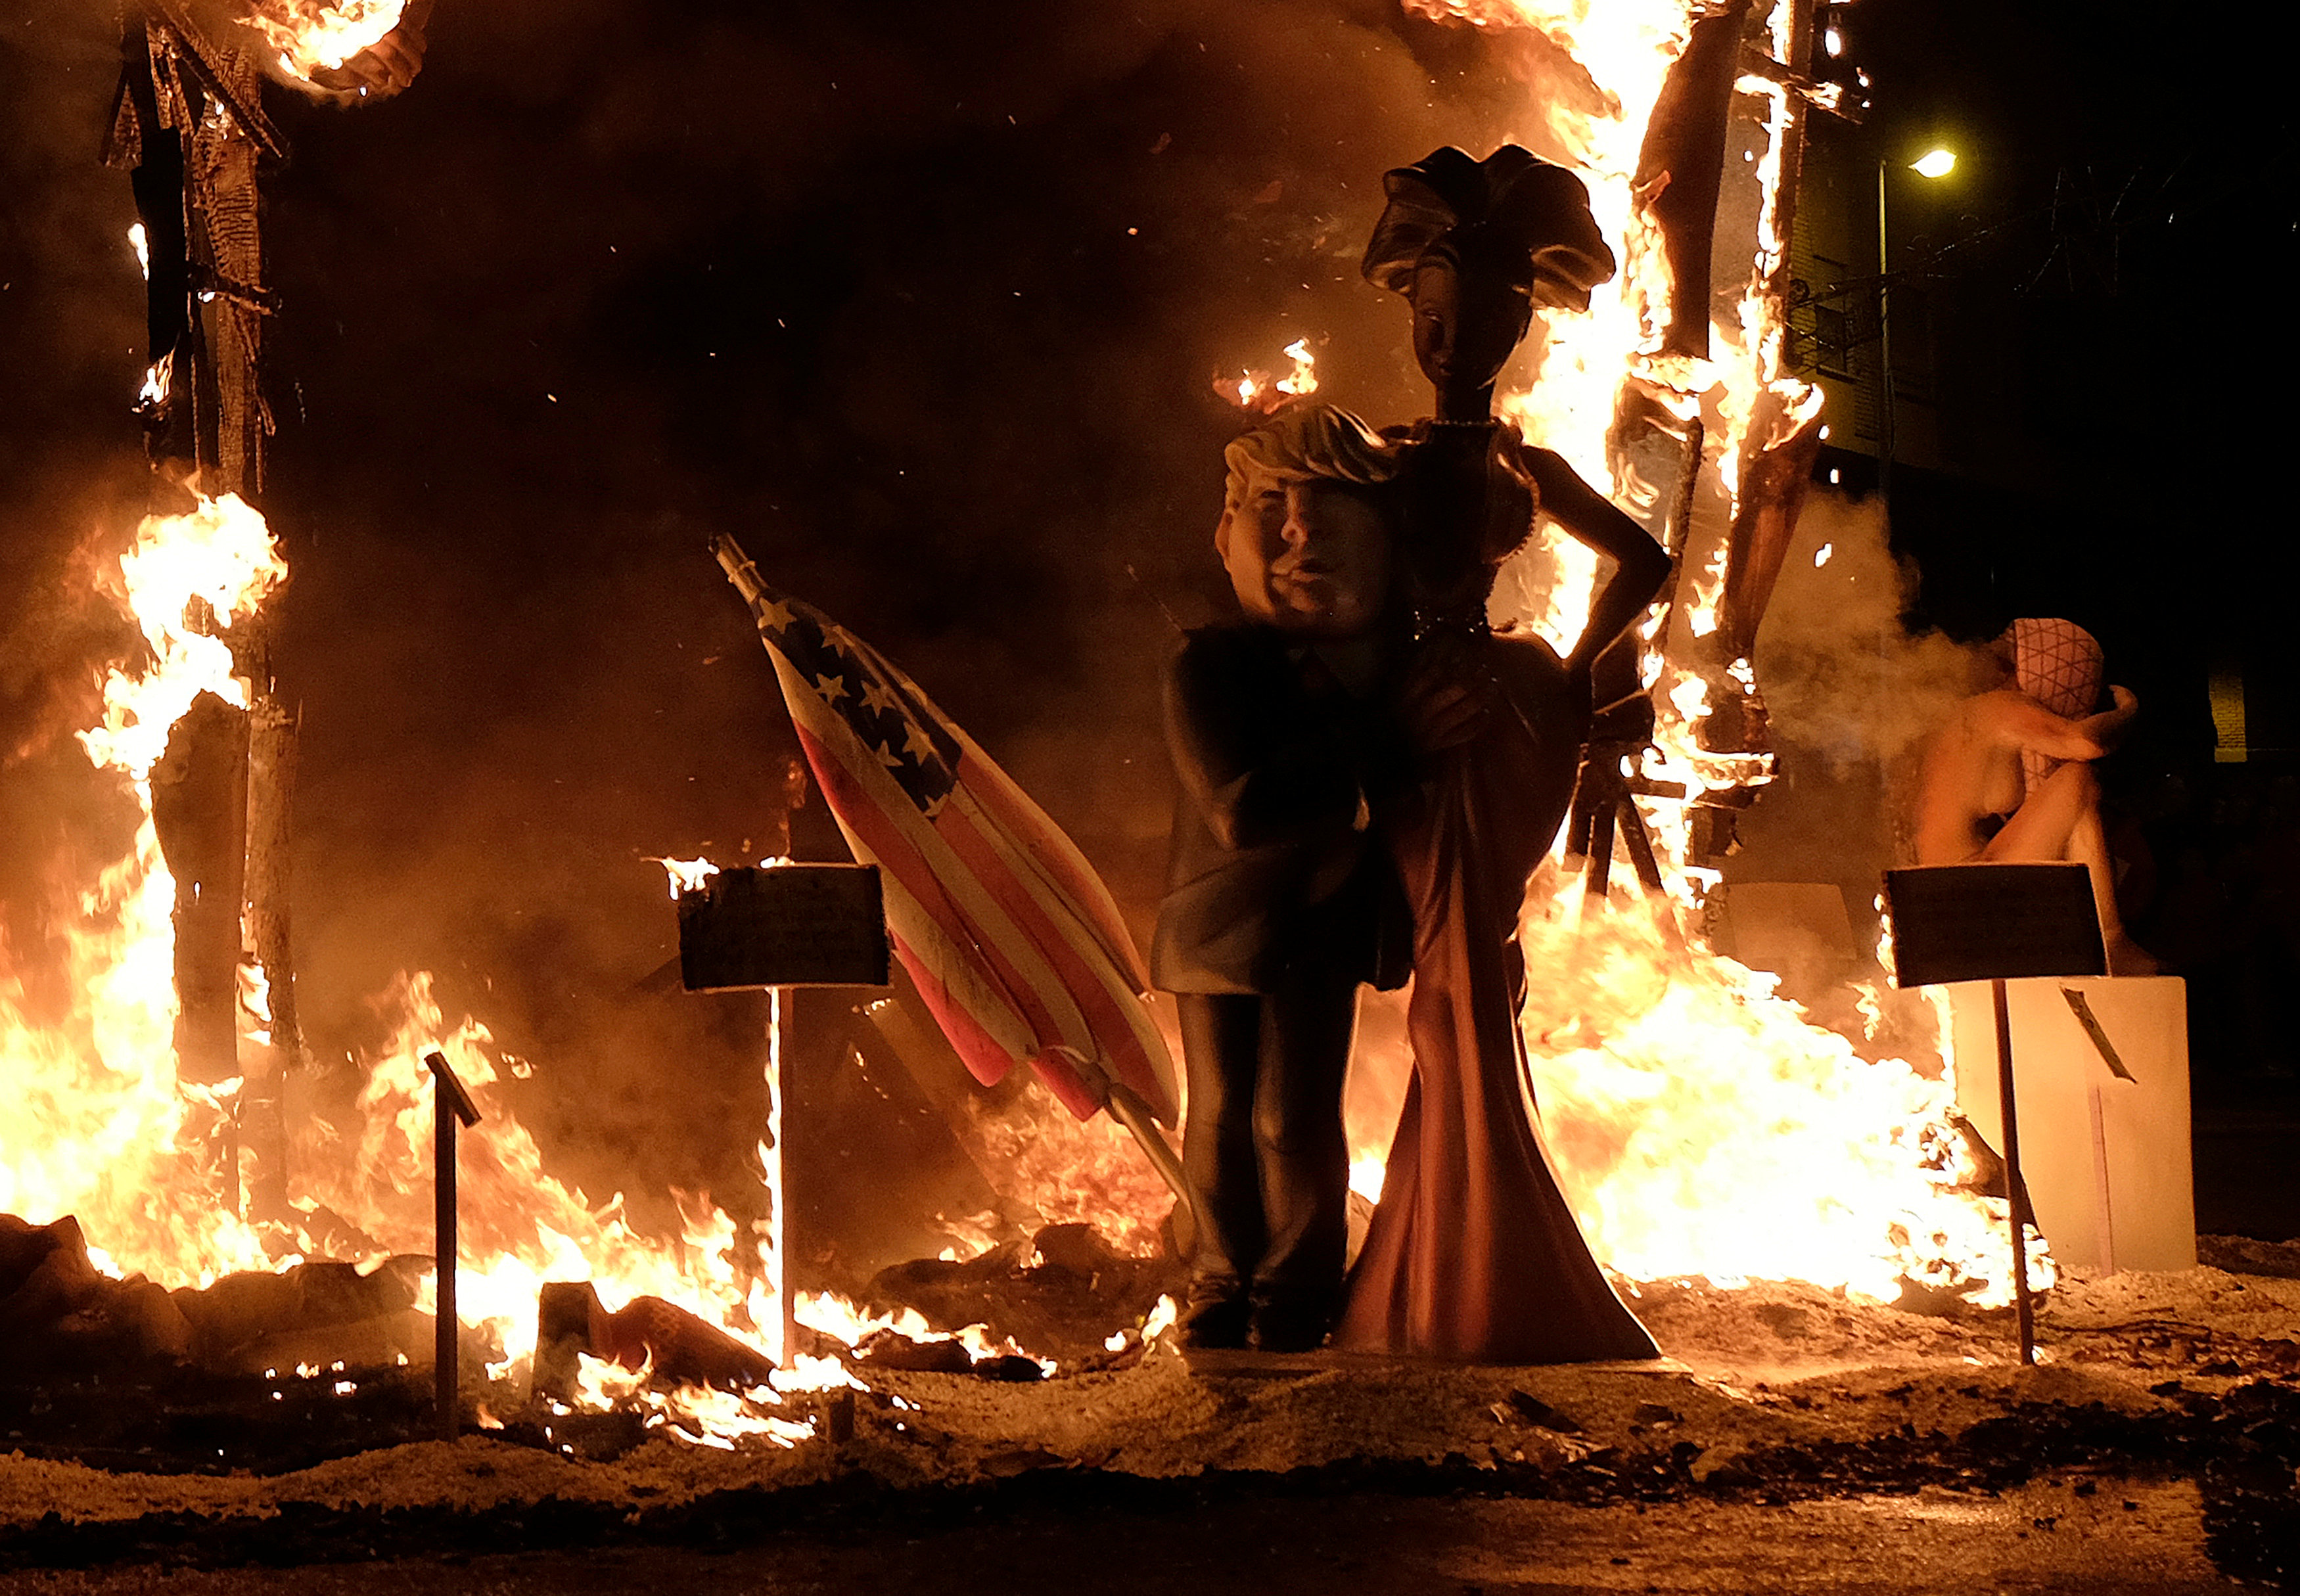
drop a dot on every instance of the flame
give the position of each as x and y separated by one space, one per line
1702 1126
687 874
520 1226
313 36
158 378
1256 391
1367 1173
696 1414
1700 1123
102 1128
1303 380
1055 1170
108 1133
831 1314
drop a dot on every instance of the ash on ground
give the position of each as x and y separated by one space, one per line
1770 1391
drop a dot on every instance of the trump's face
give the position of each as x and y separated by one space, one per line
1305 554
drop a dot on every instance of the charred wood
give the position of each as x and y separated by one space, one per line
315 1315
270 810
189 122
199 809
59 1315
1773 486
1681 167
673 1346
1058 1295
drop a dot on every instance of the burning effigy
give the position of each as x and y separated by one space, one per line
1683 1128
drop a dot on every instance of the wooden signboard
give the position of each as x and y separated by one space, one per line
789 924
1995 923
1989 922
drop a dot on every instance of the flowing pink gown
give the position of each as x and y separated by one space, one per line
1473 1255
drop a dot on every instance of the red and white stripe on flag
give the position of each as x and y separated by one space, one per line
1013 939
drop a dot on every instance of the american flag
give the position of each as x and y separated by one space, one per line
1015 943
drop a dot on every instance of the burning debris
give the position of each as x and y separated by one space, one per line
1257 392
313 36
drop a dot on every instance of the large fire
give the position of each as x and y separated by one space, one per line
102 1130
112 1135
106 1132
1701 1123
313 36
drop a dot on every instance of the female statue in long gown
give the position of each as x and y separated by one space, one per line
1473 1254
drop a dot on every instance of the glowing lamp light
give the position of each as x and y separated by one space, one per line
1934 164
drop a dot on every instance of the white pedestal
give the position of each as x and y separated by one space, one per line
2107 1160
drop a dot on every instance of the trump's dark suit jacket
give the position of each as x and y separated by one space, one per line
1276 859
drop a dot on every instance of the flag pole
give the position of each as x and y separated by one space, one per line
1126 1108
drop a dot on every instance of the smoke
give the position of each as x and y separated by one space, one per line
1842 678
1853 698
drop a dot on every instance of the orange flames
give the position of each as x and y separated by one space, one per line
1704 1126
102 1129
1056 1169
521 1225
1701 1124
1257 392
106 1131
316 35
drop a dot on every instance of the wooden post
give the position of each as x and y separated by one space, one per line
271 803
449 1103
1996 922
199 813
190 125
778 1174
2014 1191
2104 1214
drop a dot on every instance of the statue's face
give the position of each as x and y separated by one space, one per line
1466 324
1304 554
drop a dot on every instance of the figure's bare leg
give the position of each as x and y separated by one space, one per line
2089 846
2060 821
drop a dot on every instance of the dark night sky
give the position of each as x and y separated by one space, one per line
921 303
2102 262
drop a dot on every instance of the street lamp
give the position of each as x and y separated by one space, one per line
1936 163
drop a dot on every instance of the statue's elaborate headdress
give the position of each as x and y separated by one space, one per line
1511 211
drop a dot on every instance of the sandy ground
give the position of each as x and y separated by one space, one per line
2040 1539
1840 1425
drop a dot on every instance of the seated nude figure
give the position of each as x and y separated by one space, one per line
2009 779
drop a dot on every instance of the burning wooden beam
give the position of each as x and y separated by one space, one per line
646 1334
1680 168
199 808
271 762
